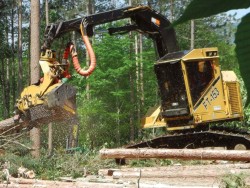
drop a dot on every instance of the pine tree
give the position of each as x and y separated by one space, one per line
34 65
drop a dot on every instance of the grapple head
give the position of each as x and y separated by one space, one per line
59 105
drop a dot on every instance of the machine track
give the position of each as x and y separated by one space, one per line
214 137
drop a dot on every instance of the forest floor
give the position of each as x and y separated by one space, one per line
209 174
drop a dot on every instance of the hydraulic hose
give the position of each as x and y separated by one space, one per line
91 53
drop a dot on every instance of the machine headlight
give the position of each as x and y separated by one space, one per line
183 97
175 104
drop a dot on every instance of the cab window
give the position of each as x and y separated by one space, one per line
200 74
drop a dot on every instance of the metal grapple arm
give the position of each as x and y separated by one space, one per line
145 20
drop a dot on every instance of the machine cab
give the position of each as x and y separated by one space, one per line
192 88
172 87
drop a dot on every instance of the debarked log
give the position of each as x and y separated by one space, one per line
186 154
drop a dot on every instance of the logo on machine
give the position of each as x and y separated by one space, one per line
210 97
156 21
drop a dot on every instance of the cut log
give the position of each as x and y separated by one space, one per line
186 154
9 125
24 183
164 174
182 173
169 171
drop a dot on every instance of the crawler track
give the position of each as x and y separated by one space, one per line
215 137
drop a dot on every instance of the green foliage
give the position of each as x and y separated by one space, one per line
59 165
242 40
17 161
233 181
201 8
105 114
149 162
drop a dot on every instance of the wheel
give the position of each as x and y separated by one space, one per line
240 147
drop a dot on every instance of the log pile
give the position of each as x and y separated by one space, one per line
177 175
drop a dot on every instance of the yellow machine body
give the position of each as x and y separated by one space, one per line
50 98
211 95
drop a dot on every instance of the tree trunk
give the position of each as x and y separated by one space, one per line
34 42
7 93
3 82
172 10
47 11
137 79
187 154
34 65
141 71
7 79
90 10
13 68
50 138
50 125
73 132
192 35
3 70
132 92
20 66
132 100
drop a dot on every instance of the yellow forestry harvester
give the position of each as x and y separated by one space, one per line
194 91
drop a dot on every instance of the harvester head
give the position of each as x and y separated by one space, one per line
59 104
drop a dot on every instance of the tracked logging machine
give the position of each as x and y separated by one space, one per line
195 92
193 89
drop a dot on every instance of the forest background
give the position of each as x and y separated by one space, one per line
112 101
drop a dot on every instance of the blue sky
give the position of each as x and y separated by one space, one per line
240 12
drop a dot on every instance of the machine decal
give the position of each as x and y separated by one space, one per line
216 108
156 21
209 98
214 94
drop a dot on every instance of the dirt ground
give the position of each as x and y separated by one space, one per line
176 175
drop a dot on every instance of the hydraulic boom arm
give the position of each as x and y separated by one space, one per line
145 20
